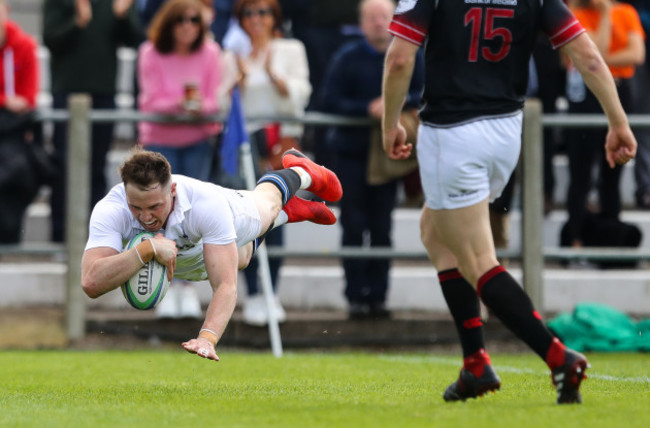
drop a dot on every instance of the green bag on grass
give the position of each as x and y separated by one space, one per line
597 327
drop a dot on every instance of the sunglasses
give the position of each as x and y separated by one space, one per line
196 19
249 13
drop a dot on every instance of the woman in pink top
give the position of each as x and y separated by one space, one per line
179 72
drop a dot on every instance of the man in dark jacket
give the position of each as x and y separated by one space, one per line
352 87
83 37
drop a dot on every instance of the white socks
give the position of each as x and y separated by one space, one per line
305 178
281 219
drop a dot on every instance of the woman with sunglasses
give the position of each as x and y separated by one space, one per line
178 73
275 73
274 81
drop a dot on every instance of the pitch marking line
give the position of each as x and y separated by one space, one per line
510 369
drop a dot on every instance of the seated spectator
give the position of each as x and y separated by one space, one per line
178 73
18 66
274 80
18 89
616 30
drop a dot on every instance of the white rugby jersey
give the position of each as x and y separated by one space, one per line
203 213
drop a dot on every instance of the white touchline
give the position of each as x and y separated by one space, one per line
509 369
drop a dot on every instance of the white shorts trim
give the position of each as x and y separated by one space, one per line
248 224
463 165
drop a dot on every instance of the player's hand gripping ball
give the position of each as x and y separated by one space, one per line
148 286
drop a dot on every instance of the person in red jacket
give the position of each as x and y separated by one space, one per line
19 181
18 66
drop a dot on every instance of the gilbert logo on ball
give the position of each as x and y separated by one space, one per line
148 286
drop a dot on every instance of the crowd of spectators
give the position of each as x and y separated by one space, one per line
288 57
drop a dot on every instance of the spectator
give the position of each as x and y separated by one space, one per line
18 89
641 86
222 18
274 81
83 38
617 32
352 87
323 26
147 10
500 207
178 73
551 87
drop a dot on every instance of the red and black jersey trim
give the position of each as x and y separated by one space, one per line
407 32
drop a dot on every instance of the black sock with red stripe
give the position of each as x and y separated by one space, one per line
509 302
463 303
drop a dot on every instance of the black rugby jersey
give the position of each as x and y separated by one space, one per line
477 51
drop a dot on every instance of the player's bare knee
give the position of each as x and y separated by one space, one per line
245 254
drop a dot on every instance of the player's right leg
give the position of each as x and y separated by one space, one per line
323 182
477 375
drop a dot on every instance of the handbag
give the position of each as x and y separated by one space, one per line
275 144
381 168
23 160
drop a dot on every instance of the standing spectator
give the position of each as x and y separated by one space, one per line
616 30
352 87
222 18
641 87
83 37
178 73
18 89
468 145
551 86
147 9
500 207
323 26
274 81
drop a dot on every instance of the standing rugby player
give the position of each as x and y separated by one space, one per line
476 56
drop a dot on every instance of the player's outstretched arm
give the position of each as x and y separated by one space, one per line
103 269
398 69
221 265
620 145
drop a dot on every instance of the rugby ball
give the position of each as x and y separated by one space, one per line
148 286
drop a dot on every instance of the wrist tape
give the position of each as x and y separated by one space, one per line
145 251
208 335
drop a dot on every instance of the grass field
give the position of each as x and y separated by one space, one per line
337 389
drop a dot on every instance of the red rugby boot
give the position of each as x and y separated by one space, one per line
324 182
299 209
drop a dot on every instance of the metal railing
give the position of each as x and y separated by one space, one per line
79 117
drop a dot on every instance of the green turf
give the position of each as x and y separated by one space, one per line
168 388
